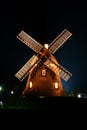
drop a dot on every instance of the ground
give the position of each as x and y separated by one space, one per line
49 108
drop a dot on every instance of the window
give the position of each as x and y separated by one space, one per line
30 85
56 85
44 72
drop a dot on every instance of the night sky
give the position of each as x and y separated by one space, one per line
44 21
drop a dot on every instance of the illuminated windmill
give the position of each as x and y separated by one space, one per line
42 69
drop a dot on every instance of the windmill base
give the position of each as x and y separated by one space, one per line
43 85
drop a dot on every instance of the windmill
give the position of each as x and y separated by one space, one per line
43 71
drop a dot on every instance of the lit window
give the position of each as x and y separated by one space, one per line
43 72
30 85
56 85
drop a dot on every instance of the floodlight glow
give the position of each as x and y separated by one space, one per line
0 88
12 92
1 104
46 46
79 95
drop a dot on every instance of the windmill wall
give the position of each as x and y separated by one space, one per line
44 84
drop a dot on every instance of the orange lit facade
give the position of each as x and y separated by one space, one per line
43 82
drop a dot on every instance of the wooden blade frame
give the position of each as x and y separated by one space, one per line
37 47
59 41
24 71
64 74
29 41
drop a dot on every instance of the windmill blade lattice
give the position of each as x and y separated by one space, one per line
59 41
29 41
24 71
64 74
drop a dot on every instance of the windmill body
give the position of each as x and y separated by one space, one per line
43 70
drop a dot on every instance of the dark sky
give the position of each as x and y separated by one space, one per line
43 21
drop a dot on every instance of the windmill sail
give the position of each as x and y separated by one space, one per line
57 42
24 71
64 74
29 41
41 81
